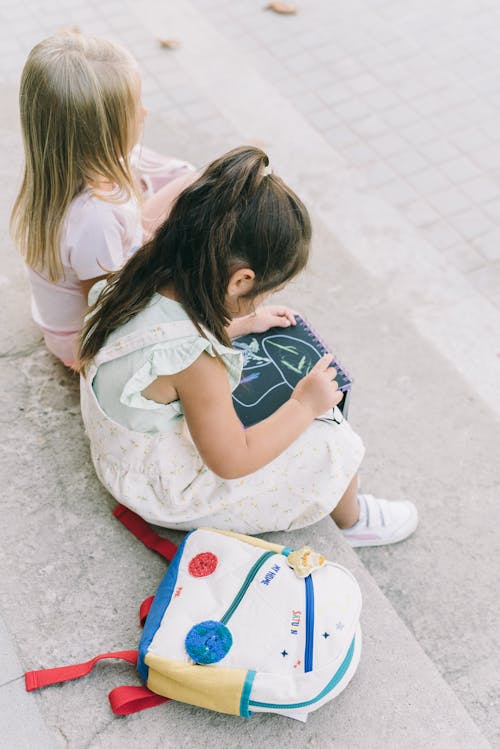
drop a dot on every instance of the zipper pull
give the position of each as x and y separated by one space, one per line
304 561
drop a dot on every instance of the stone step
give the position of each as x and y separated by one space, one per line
422 345
73 579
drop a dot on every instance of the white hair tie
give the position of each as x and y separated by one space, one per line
267 170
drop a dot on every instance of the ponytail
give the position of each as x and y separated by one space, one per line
236 215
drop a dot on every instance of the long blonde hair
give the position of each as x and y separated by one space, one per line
78 105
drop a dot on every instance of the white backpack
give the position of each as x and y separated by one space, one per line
240 626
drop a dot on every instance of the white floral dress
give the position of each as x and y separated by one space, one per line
145 457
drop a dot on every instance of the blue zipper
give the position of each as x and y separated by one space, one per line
328 688
248 580
308 654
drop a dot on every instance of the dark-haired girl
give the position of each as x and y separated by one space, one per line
158 370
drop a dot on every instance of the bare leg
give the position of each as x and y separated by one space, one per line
156 209
346 512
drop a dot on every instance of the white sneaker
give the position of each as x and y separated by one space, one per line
381 522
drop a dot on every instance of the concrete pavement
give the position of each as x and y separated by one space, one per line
415 329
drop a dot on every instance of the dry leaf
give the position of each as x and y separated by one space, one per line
282 8
169 43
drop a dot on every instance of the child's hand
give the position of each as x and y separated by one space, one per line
262 319
318 391
270 316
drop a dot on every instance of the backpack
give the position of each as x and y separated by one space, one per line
238 625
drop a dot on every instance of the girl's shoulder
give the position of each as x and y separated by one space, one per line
165 339
99 234
89 206
159 313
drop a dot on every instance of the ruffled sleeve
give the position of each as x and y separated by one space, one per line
174 356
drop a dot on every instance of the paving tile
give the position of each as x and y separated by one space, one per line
293 85
490 128
407 162
373 58
441 234
332 95
284 48
410 89
340 136
420 213
428 181
438 151
481 189
363 84
464 257
459 169
301 63
469 139
419 133
328 53
472 223
492 209
391 73
369 126
487 157
323 118
398 192
448 122
389 144
487 279
315 79
449 201
429 104
378 174
489 245
354 109
200 110
359 154
400 116
347 68
309 103
380 99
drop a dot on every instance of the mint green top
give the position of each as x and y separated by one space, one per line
118 384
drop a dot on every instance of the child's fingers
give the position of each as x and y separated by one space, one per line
323 364
281 321
283 316
281 311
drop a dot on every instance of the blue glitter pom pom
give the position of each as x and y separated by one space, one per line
208 642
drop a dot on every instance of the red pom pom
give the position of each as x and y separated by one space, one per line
203 564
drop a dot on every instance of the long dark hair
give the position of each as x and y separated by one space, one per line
235 215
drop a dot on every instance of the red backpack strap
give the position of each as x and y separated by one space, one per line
123 700
127 700
46 676
144 609
144 533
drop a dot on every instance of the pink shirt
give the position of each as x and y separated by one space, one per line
97 237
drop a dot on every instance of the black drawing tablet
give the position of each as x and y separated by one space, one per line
274 362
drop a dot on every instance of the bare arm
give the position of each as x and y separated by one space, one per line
227 449
156 209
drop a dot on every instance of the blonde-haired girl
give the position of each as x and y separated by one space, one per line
78 213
